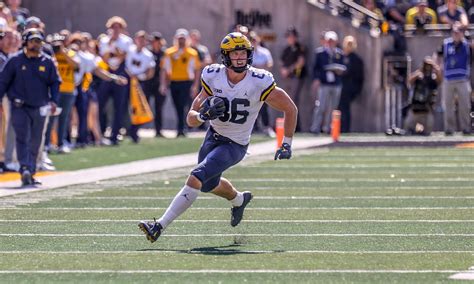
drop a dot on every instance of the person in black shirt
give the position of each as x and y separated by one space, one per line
151 87
293 66
352 81
424 82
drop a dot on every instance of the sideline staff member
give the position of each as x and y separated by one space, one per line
29 77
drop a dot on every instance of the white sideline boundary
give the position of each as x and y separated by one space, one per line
226 271
147 166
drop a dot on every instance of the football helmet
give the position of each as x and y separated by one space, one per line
236 41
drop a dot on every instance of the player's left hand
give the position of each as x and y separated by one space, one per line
284 152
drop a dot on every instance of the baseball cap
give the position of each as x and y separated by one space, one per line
181 33
422 2
33 20
330 35
156 36
291 30
31 34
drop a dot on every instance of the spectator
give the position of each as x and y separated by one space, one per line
19 13
421 15
327 70
34 23
181 65
456 54
424 82
352 81
371 6
202 50
293 67
139 64
41 89
8 136
450 13
152 86
262 59
113 48
396 10
67 62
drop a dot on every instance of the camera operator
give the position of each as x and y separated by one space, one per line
424 82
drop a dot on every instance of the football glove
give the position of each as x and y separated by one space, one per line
213 108
284 152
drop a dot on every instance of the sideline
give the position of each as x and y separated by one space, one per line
63 179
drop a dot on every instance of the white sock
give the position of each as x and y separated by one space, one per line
238 200
181 202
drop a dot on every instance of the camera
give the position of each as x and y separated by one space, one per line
56 47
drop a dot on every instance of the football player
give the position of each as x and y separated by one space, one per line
231 97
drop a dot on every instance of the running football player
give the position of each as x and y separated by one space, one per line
231 97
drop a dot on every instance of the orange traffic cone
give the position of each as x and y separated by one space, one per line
336 125
280 130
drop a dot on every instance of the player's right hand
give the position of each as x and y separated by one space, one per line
213 108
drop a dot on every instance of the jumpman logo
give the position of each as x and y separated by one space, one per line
186 196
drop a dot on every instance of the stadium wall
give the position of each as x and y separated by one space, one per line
214 19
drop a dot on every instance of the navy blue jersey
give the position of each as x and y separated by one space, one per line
35 81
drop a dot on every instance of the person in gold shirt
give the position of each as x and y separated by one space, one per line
421 15
181 68
67 64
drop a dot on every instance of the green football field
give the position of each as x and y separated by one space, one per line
337 215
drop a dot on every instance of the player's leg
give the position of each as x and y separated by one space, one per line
239 200
182 201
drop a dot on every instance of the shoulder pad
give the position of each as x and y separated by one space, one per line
263 80
208 74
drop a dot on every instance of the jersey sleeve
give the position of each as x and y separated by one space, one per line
266 82
207 76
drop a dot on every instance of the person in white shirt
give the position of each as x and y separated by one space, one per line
139 64
88 63
114 48
262 58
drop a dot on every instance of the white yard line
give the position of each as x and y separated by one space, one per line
227 221
226 271
271 197
236 235
370 180
223 251
225 208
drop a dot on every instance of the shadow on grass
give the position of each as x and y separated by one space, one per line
232 249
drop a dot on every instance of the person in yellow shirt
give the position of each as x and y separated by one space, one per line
67 65
421 15
181 68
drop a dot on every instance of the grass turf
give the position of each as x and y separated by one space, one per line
127 152
392 215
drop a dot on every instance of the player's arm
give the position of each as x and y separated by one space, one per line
279 100
193 115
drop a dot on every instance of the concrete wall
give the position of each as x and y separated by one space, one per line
214 18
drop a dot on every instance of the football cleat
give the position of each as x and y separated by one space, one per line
238 212
152 230
26 178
